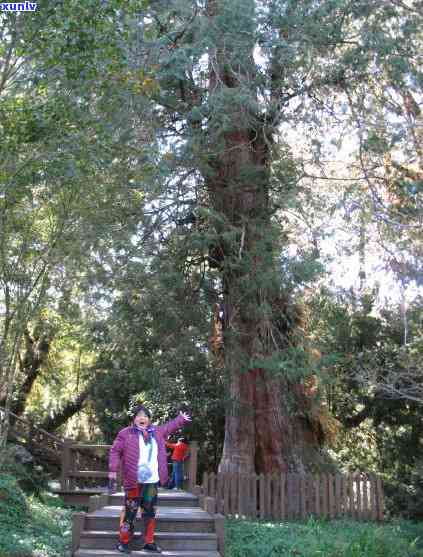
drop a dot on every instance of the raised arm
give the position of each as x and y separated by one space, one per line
175 424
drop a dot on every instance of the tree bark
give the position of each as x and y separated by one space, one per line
262 433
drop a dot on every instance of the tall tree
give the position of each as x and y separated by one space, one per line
231 77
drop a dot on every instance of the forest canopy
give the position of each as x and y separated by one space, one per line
217 206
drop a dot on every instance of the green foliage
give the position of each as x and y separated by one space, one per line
340 538
31 478
44 530
373 386
14 509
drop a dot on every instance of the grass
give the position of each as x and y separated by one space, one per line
340 538
30 527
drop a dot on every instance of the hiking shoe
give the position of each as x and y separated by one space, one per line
153 547
123 548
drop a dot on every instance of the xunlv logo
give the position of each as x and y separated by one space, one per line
18 6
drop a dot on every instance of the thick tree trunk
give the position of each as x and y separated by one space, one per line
264 432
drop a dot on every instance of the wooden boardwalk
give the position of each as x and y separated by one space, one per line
183 529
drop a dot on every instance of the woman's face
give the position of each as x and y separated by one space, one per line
141 420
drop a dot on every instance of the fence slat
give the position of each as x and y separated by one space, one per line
234 494
302 497
262 499
351 496
276 493
380 499
358 498
338 495
295 496
325 499
283 510
226 494
365 498
331 496
373 498
252 511
317 496
241 494
219 493
344 492
268 496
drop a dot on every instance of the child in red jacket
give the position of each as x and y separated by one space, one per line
180 452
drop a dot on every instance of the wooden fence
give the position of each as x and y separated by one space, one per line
295 496
77 456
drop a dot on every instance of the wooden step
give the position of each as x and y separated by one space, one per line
167 498
168 519
170 553
181 541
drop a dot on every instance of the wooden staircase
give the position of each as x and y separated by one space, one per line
183 528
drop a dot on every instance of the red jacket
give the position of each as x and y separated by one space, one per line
180 450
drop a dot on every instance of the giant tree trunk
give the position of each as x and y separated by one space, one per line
264 431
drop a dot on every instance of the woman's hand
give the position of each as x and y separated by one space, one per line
186 416
112 475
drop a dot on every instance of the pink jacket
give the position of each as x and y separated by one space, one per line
125 450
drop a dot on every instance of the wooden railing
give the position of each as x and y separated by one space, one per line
294 496
76 456
37 440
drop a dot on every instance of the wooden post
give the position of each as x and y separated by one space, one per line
219 527
192 465
93 503
212 485
66 464
197 490
78 521
210 505
205 484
